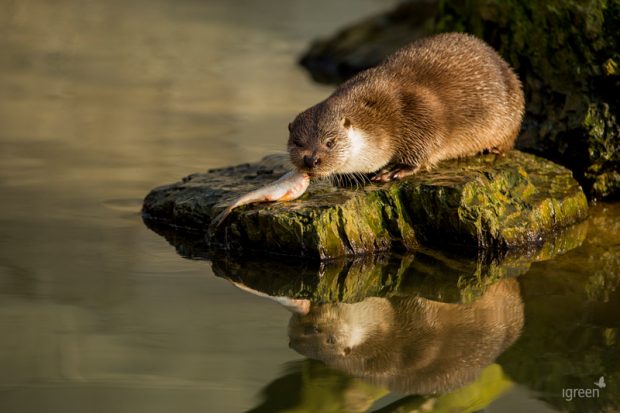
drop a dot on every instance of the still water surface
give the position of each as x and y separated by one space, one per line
101 101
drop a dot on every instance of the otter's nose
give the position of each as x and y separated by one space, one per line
311 161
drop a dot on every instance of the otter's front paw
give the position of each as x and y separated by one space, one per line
395 173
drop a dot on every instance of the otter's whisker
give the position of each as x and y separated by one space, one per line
355 177
360 178
329 178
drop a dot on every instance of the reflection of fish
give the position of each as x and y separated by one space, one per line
601 383
290 186
295 305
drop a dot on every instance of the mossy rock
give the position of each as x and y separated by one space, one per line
432 274
429 273
565 51
485 203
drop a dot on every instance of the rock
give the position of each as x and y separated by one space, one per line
566 54
481 203
432 274
368 42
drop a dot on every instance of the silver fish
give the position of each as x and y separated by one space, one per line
290 186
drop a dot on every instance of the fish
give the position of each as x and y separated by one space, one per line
290 186
294 305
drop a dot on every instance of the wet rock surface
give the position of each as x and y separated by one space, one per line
484 203
428 273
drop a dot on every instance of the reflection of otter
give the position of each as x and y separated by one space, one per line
411 344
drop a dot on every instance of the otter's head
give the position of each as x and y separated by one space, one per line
322 333
318 142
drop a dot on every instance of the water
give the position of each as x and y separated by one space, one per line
101 101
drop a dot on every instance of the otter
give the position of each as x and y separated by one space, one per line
442 97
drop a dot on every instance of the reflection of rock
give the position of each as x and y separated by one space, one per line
310 386
411 344
566 55
481 203
572 332
343 280
304 388
428 273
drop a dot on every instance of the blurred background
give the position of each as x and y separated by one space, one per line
100 102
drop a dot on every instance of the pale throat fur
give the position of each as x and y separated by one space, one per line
363 154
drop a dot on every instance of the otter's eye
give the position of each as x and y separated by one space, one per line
298 143
330 143
311 329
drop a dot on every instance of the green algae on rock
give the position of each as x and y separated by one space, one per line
432 274
565 51
428 273
480 203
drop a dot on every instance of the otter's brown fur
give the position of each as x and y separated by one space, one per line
442 97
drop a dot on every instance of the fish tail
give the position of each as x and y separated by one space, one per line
219 219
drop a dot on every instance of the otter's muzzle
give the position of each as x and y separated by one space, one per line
311 161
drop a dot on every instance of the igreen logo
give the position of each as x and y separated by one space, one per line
600 383
581 393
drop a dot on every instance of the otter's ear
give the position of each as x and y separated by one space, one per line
346 123
290 127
